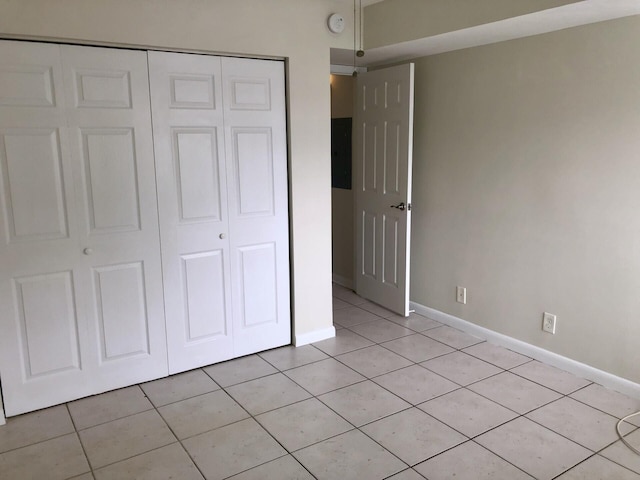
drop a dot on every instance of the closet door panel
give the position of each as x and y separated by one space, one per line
255 139
192 199
41 328
120 273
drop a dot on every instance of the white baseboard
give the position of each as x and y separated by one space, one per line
343 281
314 336
579 369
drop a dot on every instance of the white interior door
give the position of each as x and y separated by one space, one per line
186 95
80 283
256 155
383 156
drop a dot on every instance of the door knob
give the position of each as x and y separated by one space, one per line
222 235
400 206
88 251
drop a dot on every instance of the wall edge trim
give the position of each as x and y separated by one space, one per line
314 336
606 379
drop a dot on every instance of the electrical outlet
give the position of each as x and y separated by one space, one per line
549 323
461 295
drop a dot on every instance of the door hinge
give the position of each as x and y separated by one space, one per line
408 206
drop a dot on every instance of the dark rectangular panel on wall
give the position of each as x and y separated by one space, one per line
341 153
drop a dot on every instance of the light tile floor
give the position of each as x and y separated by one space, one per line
388 397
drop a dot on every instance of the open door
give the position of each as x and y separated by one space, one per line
382 183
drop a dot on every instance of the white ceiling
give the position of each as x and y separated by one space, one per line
567 16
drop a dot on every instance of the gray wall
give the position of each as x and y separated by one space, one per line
527 189
342 98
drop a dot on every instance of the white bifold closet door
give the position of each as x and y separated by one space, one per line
80 276
220 144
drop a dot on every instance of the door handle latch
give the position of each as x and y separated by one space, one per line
402 206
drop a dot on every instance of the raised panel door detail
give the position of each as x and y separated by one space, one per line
26 86
369 244
111 179
121 310
197 173
392 158
253 158
369 157
204 291
250 94
192 91
103 89
32 185
394 94
47 318
258 284
390 232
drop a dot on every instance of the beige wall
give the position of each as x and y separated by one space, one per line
395 21
342 91
527 190
292 29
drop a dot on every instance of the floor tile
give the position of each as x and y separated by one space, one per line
469 461
533 448
232 449
409 474
418 348
608 401
178 387
267 393
302 424
550 377
461 368
283 468
351 316
124 438
376 309
55 459
415 384
452 337
381 330
338 304
467 412
498 356
109 406
353 456
415 322
413 436
239 370
598 468
363 402
514 392
620 453
373 361
344 341
348 296
170 462
202 413
324 376
86 476
587 426
35 427
284 358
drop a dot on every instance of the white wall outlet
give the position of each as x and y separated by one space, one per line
549 323
461 295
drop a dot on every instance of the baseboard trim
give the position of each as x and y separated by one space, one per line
343 281
314 336
579 369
